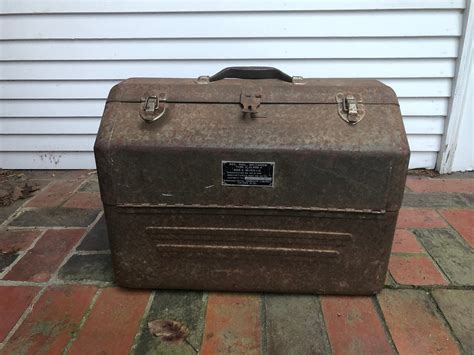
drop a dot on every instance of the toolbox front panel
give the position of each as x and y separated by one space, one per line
320 160
250 249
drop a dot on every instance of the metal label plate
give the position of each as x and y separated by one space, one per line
245 173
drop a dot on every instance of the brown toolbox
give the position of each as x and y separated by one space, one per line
252 180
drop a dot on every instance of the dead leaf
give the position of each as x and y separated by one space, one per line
10 191
17 193
169 331
28 189
423 172
7 193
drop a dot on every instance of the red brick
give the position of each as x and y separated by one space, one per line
414 324
12 241
419 218
55 317
84 200
440 185
13 302
44 258
462 221
415 270
405 242
112 324
232 325
54 194
354 326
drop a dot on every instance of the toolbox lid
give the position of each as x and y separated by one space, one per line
272 91
331 144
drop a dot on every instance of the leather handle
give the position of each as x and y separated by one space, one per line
251 73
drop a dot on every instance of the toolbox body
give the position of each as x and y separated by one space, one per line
251 180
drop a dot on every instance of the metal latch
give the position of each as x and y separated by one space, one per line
153 108
350 107
250 102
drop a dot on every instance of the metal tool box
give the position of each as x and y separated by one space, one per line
252 180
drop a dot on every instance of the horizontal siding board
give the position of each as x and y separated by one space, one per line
426 160
424 124
393 23
85 142
87 89
54 108
58 60
428 87
90 125
47 160
99 89
127 6
270 48
424 106
31 143
424 143
94 108
49 125
85 160
329 68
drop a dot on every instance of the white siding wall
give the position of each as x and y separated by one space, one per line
58 59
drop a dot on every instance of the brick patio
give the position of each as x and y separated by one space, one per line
57 292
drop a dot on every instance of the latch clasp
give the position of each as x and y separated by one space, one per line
153 108
250 102
350 108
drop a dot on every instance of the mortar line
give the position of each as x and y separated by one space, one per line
73 191
20 209
57 283
83 320
417 254
40 228
445 321
435 262
263 321
45 285
25 314
21 254
323 321
21 283
39 193
393 284
453 229
428 288
24 208
202 316
379 311
141 326
54 276
101 284
93 252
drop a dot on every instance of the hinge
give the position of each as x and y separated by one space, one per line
350 107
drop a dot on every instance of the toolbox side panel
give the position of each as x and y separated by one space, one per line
400 163
250 250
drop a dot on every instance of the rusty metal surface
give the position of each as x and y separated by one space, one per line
317 155
250 250
274 91
173 223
